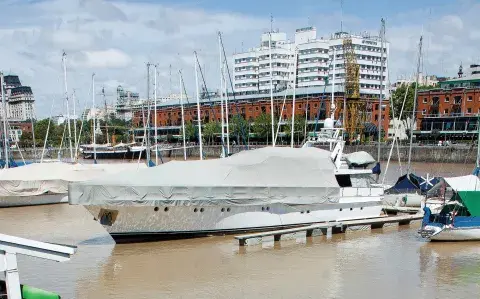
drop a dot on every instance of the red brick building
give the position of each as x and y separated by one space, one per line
448 113
169 113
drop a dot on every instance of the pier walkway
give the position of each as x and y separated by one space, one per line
333 227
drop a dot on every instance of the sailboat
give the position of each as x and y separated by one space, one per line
459 218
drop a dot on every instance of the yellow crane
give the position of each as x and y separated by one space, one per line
355 114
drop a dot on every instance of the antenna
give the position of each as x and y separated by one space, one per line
171 92
271 23
341 15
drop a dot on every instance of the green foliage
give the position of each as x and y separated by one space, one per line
262 126
116 127
399 95
238 129
190 131
299 127
211 129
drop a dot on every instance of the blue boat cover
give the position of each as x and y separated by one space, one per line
411 183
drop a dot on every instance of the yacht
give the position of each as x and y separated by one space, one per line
260 189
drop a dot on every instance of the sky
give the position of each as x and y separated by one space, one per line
115 39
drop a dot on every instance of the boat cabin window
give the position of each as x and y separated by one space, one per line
343 180
361 180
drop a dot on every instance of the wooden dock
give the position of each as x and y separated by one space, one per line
405 210
334 227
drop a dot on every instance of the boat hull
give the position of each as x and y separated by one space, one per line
112 155
451 234
23 201
132 222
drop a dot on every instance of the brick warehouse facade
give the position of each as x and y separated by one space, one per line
169 113
448 113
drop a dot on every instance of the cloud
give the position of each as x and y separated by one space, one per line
116 38
111 58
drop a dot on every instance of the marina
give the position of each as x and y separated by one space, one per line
193 153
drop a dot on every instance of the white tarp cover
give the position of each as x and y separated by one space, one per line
464 183
40 178
263 175
359 158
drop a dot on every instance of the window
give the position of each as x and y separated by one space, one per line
469 110
424 111
469 98
447 99
425 100
445 111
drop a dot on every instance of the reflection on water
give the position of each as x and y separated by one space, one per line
392 262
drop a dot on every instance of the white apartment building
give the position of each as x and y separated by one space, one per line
314 62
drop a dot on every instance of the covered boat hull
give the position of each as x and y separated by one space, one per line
22 201
404 199
140 222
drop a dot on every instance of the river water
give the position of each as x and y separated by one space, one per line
392 262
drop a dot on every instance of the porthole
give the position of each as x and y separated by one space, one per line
268 208
361 208
166 209
195 210
223 210
201 210
308 211
341 209
228 209
155 209
302 212
263 208
351 209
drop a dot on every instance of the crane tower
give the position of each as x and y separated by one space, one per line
355 114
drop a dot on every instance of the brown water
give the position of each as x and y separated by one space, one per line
389 263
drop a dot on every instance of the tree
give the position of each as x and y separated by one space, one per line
399 95
26 140
262 126
210 129
299 127
190 131
238 128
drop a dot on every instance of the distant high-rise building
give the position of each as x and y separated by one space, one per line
314 63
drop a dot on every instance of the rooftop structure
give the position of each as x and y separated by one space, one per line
314 62
19 98
470 80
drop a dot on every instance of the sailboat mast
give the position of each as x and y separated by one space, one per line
147 124
106 113
155 110
225 86
380 111
75 123
414 103
183 118
478 144
5 132
332 105
198 107
221 97
64 60
292 133
271 86
94 120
